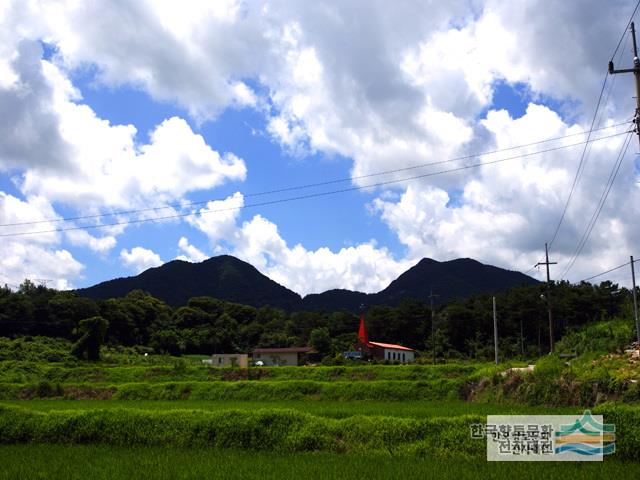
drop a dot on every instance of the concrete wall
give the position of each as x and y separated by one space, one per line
403 356
230 360
277 359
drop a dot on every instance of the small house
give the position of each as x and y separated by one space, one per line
230 360
392 352
383 351
289 356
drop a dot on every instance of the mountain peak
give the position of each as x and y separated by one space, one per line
228 278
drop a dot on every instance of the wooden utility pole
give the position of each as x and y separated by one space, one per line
547 263
635 300
433 325
636 73
495 330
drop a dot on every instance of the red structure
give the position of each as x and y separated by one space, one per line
362 332
382 351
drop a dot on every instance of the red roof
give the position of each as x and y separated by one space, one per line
284 350
390 345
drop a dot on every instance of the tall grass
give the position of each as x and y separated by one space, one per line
243 390
101 462
279 430
325 408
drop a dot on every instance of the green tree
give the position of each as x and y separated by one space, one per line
93 332
320 340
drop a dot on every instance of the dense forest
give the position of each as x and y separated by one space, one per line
463 328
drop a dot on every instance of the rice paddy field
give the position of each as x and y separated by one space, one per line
180 419
114 463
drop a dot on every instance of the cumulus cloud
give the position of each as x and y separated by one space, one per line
191 253
33 256
508 211
390 89
139 259
110 169
82 238
365 267
26 103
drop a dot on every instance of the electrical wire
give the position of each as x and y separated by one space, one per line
307 196
608 271
625 30
581 164
603 198
311 185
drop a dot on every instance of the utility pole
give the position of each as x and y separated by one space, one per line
433 325
636 73
635 300
547 263
495 330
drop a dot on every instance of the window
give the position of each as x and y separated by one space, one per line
219 360
403 357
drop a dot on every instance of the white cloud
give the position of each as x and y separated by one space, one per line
139 259
399 86
507 211
82 238
109 169
33 256
364 267
192 254
218 218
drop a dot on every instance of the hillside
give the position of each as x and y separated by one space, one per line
458 278
224 277
228 278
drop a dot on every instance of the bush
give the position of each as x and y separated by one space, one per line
603 337
274 430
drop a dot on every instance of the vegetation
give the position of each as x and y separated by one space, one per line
78 462
228 278
135 381
464 328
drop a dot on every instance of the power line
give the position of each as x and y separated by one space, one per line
307 196
580 164
311 185
583 157
608 271
603 198
625 30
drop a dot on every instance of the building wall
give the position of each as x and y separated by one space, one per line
403 356
277 359
230 360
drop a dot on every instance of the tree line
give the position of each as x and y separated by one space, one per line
461 328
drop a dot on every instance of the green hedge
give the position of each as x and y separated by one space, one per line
180 370
626 419
276 430
282 430
243 390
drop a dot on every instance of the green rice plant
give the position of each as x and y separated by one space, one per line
626 419
105 462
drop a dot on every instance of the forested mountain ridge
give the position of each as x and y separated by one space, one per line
230 279
223 277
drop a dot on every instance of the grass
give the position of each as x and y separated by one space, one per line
182 369
114 463
332 409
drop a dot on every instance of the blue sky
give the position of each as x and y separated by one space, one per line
218 101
